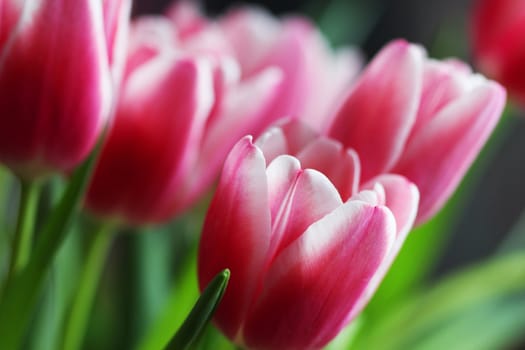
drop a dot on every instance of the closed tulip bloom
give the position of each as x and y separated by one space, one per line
497 31
61 61
180 110
421 118
315 77
306 247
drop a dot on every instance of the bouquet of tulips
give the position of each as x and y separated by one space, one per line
278 177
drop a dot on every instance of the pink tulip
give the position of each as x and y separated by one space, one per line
420 118
181 109
306 247
498 29
314 76
60 62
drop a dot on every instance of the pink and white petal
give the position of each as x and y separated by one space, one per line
443 82
236 233
331 74
402 199
373 196
240 112
149 37
288 136
340 165
437 158
253 33
298 134
55 86
187 17
298 198
154 140
400 196
290 54
116 24
378 114
272 143
318 280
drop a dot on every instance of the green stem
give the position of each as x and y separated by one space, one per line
20 295
23 239
78 317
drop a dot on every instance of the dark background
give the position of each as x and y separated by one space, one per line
497 192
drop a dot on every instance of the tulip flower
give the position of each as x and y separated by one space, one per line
420 118
180 110
497 31
306 247
315 77
61 61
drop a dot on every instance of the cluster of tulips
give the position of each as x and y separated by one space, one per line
327 164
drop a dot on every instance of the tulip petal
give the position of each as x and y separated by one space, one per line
298 198
240 112
340 165
116 18
159 124
236 233
377 116
55 86
402 198
273 143
315 283
287 137
437 158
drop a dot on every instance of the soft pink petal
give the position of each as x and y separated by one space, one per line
443 82
149 37
437 158
298 135
315 283
330 74
116 24
159 123
340 165
187 18
240 113
377 116
236 233
298 198
253 34
273 143
55 86
402 198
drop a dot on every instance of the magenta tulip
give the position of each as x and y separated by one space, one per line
61 61
315 77
497 32
306 247
420 118
181 108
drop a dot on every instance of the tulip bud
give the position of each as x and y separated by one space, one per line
315 77
420 118
58 69
497 31
306 248
182 107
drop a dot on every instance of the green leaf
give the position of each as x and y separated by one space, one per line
426 312
201 313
